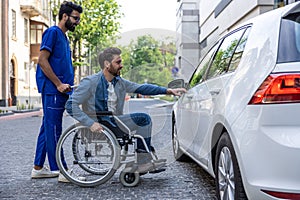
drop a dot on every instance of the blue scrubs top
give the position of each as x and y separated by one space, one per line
57 43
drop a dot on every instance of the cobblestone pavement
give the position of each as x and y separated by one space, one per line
17 145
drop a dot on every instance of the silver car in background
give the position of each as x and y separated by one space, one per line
240 118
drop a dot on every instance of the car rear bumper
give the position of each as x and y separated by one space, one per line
268 139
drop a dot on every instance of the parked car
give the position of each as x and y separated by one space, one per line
240 117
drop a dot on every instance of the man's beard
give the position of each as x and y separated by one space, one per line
69 25
112 71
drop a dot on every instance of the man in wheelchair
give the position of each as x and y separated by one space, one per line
106 91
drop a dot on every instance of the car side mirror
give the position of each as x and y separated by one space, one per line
177 83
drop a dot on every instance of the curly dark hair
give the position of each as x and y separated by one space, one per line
68 7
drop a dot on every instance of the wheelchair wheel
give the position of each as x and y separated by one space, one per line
91 158
129 179
83 153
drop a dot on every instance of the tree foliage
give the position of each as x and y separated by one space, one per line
99 22
99 25
148 60
144 60
146 50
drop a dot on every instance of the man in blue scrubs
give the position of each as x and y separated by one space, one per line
54 77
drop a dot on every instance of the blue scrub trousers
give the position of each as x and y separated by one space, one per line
51 129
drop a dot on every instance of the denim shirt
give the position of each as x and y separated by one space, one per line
92 95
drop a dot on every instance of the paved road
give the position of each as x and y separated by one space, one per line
18 137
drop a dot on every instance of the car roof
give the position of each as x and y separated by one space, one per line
276 14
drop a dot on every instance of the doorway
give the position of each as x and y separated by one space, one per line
12 100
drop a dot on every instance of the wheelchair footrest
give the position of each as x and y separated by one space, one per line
130 168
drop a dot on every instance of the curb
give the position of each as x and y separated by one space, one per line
25 111
19 115
6 114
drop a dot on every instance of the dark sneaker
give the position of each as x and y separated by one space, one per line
160 160
144 156
150 166
158 171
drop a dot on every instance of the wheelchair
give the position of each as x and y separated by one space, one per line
90 159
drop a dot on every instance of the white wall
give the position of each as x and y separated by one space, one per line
20 52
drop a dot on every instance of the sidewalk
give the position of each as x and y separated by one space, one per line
13 113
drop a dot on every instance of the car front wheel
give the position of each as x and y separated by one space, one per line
229 185
178 153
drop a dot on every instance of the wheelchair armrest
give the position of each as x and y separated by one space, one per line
100 113
110 113
104 113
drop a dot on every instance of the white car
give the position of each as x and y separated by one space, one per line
240 117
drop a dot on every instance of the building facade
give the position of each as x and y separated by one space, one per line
22 25
215 18
187 37
4 53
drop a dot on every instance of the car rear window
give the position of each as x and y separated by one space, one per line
289 39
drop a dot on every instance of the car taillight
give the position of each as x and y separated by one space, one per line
278 88
283 195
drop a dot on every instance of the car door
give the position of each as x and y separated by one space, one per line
188 118
188 111
211 96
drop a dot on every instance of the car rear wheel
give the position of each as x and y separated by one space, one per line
178 153
229 185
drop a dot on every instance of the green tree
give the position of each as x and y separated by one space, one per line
145 50
148 60
99 25
168 49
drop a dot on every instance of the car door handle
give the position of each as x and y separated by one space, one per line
214 92
190 96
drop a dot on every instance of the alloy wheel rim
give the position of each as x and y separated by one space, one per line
226 175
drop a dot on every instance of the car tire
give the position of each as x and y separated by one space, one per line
229 183
178 153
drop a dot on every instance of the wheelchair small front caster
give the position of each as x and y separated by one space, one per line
129 178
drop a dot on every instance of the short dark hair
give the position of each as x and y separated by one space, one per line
108 55
68 7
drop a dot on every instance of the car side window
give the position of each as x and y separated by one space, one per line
223 56
198 75
236 57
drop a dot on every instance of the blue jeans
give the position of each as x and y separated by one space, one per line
51 128
141 122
